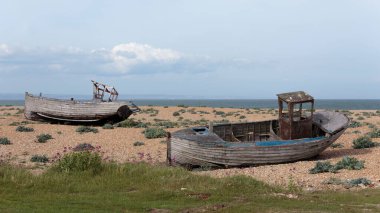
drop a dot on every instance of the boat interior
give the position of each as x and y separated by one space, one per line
254 131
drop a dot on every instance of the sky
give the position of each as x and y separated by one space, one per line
192 49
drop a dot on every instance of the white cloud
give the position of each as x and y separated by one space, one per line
120 59
125 56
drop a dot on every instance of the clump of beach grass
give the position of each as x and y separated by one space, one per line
43 138
79 162
347 162
86 129
363 142
5 141
83 147
138 143
24 129
154 133
107 126
39 158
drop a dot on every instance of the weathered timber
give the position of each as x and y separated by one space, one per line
296 135
96 110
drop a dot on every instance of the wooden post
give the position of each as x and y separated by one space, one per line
211 127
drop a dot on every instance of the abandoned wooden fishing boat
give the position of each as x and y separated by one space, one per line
100 108
299 133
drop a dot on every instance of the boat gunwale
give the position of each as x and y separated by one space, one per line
74 101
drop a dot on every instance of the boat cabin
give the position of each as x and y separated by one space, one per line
100 90
295 115
295 121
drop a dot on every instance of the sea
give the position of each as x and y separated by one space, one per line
330 104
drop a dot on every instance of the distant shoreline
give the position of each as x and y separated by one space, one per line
341 104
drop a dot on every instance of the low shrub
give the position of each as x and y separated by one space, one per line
154 133
39 158
138 143
19 123
336 145
42 138
242 117
358 181
176 114
219 113
5 141
83 147
131 123
348 183
86 129
363 142
24 129
360 118
349 163
374 133
355 124
107 126
80 161
321 167
166 124
151 111
372 126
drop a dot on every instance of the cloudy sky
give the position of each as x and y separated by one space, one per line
196 49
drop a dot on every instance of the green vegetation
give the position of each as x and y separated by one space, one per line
39 158
355 124
145 188
375 133
349 183
79 162
219 112
24 129
347 162
363 142
182 105
131 123
83 147
336 145
20 111
138 143
107 126
321 167
5 141
86 129
165 123
176 114
43 138
19 123
154 133
151 111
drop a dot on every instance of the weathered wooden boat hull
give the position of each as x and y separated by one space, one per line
197 153
188 148
42 108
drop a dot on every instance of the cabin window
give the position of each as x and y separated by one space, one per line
285 109
302 111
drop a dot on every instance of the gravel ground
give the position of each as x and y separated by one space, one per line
117 145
